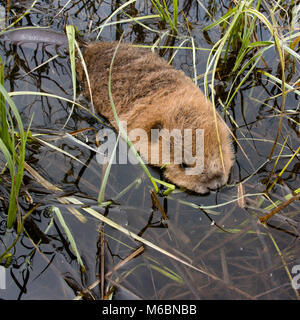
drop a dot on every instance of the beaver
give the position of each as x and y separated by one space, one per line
149 94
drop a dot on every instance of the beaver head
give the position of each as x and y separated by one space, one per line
185 137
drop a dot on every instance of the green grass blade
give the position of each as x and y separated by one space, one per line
159 9
18 159
175 13
254 60
44 94
52 146
8 157
274 78
167 13
69 236
112 15
106 174
71 40
4 130
222 19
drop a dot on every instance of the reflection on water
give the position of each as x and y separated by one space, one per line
237 256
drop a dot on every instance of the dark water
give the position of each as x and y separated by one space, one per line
242 262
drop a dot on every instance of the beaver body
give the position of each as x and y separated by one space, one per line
148 94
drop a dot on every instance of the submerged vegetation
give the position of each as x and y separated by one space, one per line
249 68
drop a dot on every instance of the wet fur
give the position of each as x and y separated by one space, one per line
149 93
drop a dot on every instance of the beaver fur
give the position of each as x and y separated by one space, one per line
149 93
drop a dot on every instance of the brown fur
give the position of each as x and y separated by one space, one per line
149 93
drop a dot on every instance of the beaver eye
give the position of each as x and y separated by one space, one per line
183 165
157 125
155 131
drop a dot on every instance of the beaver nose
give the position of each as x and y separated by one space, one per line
217 181
217 185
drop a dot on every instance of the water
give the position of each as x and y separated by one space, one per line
236 249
